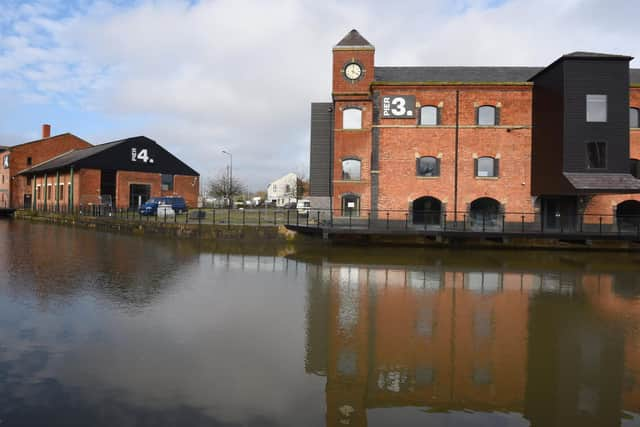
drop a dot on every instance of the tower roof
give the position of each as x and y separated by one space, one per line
354 39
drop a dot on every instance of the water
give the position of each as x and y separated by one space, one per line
100 329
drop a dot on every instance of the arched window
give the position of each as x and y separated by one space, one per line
486 167
628 214
634 117
428 166
352 118
351 169
634 167
428 115
426 210
486 116
350 205
484 212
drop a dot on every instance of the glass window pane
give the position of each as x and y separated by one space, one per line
352 118
485 166
351 169
429 115
596 108
634 118
596 155
487 116
427 166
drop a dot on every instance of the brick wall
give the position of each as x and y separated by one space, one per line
39 151
125 178
187 187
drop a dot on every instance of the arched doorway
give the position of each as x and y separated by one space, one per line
426 210
628 214
484 212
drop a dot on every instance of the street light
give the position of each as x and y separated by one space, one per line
230 175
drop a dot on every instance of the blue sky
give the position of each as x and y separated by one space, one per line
202 76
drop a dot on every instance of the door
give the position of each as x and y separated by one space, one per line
27 201
560 213
108 187
138 194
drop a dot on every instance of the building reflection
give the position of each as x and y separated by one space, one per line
529 343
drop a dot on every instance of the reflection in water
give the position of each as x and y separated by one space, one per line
104 329
560 348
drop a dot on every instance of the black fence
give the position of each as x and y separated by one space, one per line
380 221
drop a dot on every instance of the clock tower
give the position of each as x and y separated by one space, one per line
353 62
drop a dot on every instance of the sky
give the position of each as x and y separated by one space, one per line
200 77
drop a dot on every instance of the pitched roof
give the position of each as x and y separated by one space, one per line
603 182
595 55
455 74
47 139
71 157
353 39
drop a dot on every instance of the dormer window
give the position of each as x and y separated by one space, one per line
597 108
634 118
352 118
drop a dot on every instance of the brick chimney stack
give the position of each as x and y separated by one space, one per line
46 131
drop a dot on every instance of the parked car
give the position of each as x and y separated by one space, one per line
151 206
303 206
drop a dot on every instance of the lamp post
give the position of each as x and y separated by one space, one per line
230 175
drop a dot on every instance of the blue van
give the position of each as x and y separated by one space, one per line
151 206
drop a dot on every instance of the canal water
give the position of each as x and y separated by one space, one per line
100 329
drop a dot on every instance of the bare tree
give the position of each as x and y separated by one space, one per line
302 186
222 186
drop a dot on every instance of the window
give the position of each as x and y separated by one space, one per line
167 182
634 167
5 161
61 191
428 166
634 118
596 155
39 192
351 169
428 115
29 161
596 108
350 205
28 181
49 192
486 167
352 118
486 116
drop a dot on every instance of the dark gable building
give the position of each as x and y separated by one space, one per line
474 142
122 173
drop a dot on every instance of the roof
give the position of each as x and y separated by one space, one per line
455 74
71 157
353 39
586 55
603 182
47 139
116 155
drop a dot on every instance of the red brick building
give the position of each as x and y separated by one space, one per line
473 142
15 190
121 174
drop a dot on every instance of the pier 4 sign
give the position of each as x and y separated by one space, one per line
398 106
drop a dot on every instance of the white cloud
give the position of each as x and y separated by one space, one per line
241 74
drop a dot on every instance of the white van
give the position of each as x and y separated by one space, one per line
303 206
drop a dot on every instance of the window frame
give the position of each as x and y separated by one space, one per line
436 172
588 157
637 111
436 111
606 107
344 113
483 108
356 210
495 168
163 183
351 159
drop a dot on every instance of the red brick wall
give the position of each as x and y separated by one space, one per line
126 178
39 151
340 58
187 187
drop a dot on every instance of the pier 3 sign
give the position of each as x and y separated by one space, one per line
398 106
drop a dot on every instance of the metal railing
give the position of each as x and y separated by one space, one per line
392 221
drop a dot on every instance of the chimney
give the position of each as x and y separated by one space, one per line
46 131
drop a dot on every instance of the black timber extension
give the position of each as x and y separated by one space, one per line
137 154
321 149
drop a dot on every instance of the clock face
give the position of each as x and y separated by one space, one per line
353 71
